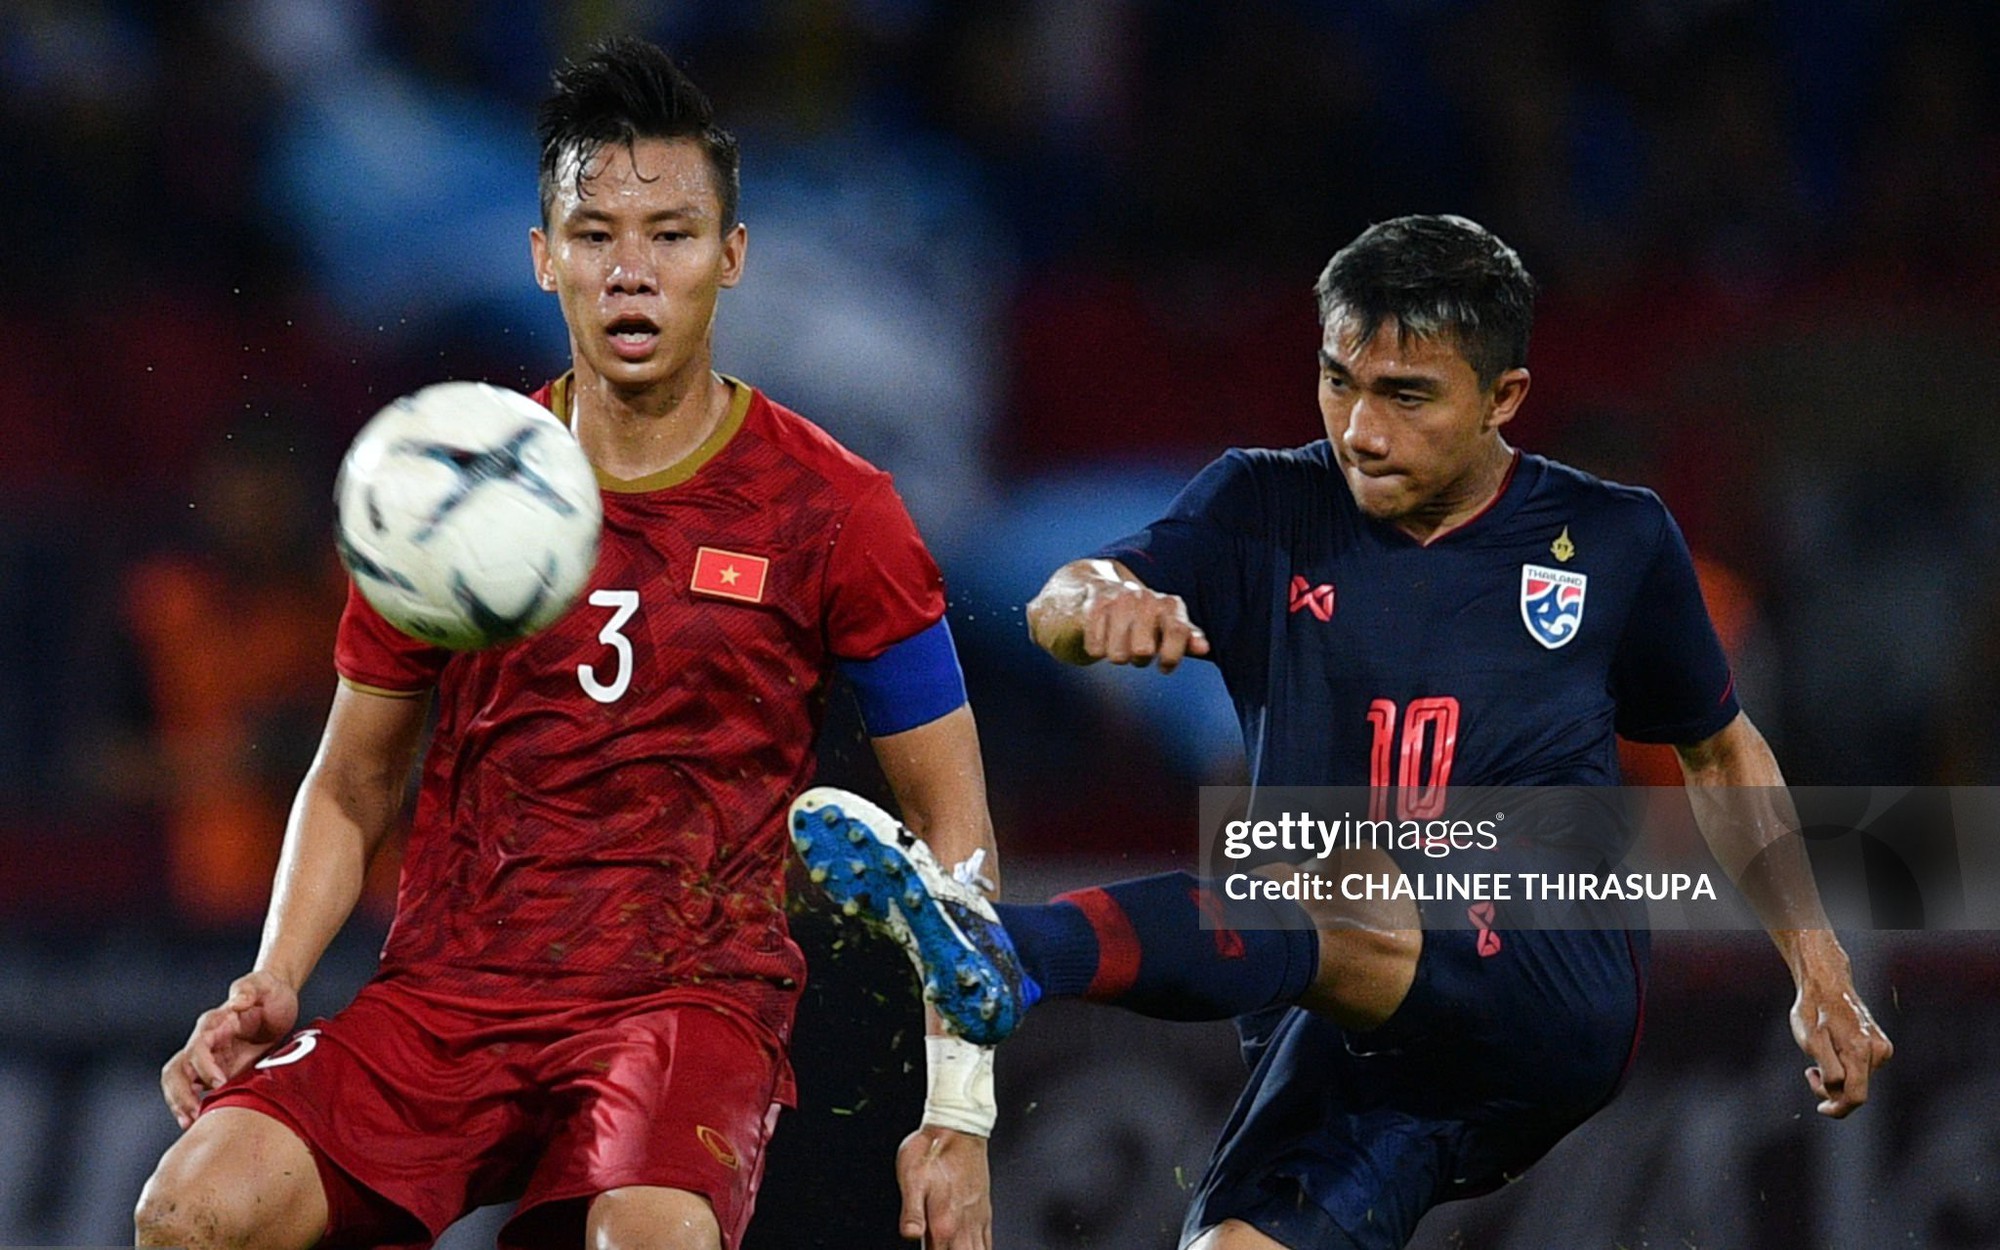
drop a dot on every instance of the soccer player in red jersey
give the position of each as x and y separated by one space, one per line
586 996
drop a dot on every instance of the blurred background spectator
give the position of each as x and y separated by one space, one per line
227 620
1041 259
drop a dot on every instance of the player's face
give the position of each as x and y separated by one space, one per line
636 252
1414 432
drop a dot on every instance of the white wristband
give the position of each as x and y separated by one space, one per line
960 1086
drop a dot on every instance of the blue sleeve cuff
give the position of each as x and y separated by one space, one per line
912 683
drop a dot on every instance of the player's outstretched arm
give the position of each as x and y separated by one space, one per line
1745 814
940 785
1093 610
345 808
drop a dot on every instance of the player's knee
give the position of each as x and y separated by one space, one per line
162 1218
1373 946
1364 974
178 1208
233 1183
652 1218
1233 1235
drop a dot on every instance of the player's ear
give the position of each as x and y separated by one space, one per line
1504 399
538 248
733 245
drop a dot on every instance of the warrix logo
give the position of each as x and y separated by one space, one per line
1317 600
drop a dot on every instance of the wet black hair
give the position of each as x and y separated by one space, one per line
1437 277
622 91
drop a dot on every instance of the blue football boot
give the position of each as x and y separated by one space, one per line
876 869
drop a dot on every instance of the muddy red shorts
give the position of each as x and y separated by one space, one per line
418 1112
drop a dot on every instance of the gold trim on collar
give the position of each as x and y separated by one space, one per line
563 404
559 400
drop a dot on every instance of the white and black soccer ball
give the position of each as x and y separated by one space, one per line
467 515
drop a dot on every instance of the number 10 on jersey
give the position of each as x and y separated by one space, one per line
1411 752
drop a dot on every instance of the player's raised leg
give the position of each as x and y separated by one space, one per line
1152 945
236 1179
1165 946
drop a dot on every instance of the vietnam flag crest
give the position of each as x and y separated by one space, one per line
729 575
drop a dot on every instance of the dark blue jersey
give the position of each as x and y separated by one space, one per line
1507 651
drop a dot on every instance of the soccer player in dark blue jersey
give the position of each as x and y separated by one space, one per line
1413 606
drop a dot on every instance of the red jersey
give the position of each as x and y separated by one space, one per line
602 809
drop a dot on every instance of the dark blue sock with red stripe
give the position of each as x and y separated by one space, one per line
1142 945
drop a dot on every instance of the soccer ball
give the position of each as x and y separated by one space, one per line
467 515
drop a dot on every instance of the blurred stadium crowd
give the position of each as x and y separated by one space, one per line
1041 258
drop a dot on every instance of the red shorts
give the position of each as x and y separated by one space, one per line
418 1112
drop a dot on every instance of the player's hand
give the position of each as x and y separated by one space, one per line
947 1199
1085 616
1834 1028
259 1012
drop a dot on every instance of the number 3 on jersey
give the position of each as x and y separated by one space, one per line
623 603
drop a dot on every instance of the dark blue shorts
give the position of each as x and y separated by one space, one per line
1341 1141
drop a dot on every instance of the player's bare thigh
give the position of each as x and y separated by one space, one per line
1368 948
651 1217
237 1178
1234 1235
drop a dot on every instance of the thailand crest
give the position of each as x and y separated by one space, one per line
1551 603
